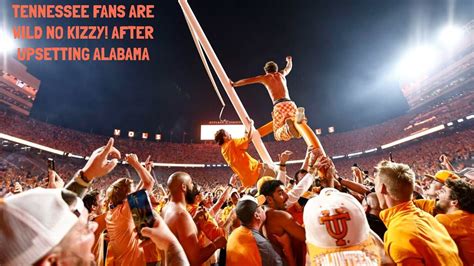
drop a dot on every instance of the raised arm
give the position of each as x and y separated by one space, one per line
305 165
289 66
232 183
283 158
98 165
146 179
248 81
249 134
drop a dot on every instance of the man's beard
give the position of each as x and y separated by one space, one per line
190 195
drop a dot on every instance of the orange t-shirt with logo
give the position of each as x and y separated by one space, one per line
235 154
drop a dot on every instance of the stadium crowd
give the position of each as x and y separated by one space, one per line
341 143
408 205
317 218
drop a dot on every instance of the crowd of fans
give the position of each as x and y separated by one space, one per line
335 144
29 167
408 205
388 217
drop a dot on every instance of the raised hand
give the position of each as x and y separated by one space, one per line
284 156
98 164
55 181
149 164
132 159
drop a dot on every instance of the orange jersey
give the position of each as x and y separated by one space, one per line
428 206
100 220
414 237
235 154
124 243
460 226
248 247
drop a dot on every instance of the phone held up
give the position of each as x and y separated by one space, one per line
51 164
142 211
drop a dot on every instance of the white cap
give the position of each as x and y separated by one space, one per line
335 222
32 223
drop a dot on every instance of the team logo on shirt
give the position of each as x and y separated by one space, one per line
336 225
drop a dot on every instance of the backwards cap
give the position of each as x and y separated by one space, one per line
32 223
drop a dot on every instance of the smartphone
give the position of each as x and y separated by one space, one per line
142 211
51 164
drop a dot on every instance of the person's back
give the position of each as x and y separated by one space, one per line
414 235
124 243
248 247
276 86
235 154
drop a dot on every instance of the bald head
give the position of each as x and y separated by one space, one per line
176 182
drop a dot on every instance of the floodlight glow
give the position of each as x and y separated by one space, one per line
6 42
450 35
469 117
208 131
370 150
338 156
449 124
354 154
418 61
460 120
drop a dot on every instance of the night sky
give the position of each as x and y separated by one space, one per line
344 59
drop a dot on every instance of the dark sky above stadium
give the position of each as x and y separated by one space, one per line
344 55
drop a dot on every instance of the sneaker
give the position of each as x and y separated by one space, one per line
300 115
290 123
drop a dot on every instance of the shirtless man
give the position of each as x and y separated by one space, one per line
279 222
284 110
182 191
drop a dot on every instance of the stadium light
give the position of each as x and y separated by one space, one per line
450 35
6 42
418 61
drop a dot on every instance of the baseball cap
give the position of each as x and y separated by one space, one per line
32 223
337 231
442 175
246 208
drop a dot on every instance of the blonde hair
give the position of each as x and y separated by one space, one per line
118 191
398 178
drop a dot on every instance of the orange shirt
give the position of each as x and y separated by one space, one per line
248 247
414 237
207 228
460 226
123 237
235 154
428 206
100 220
